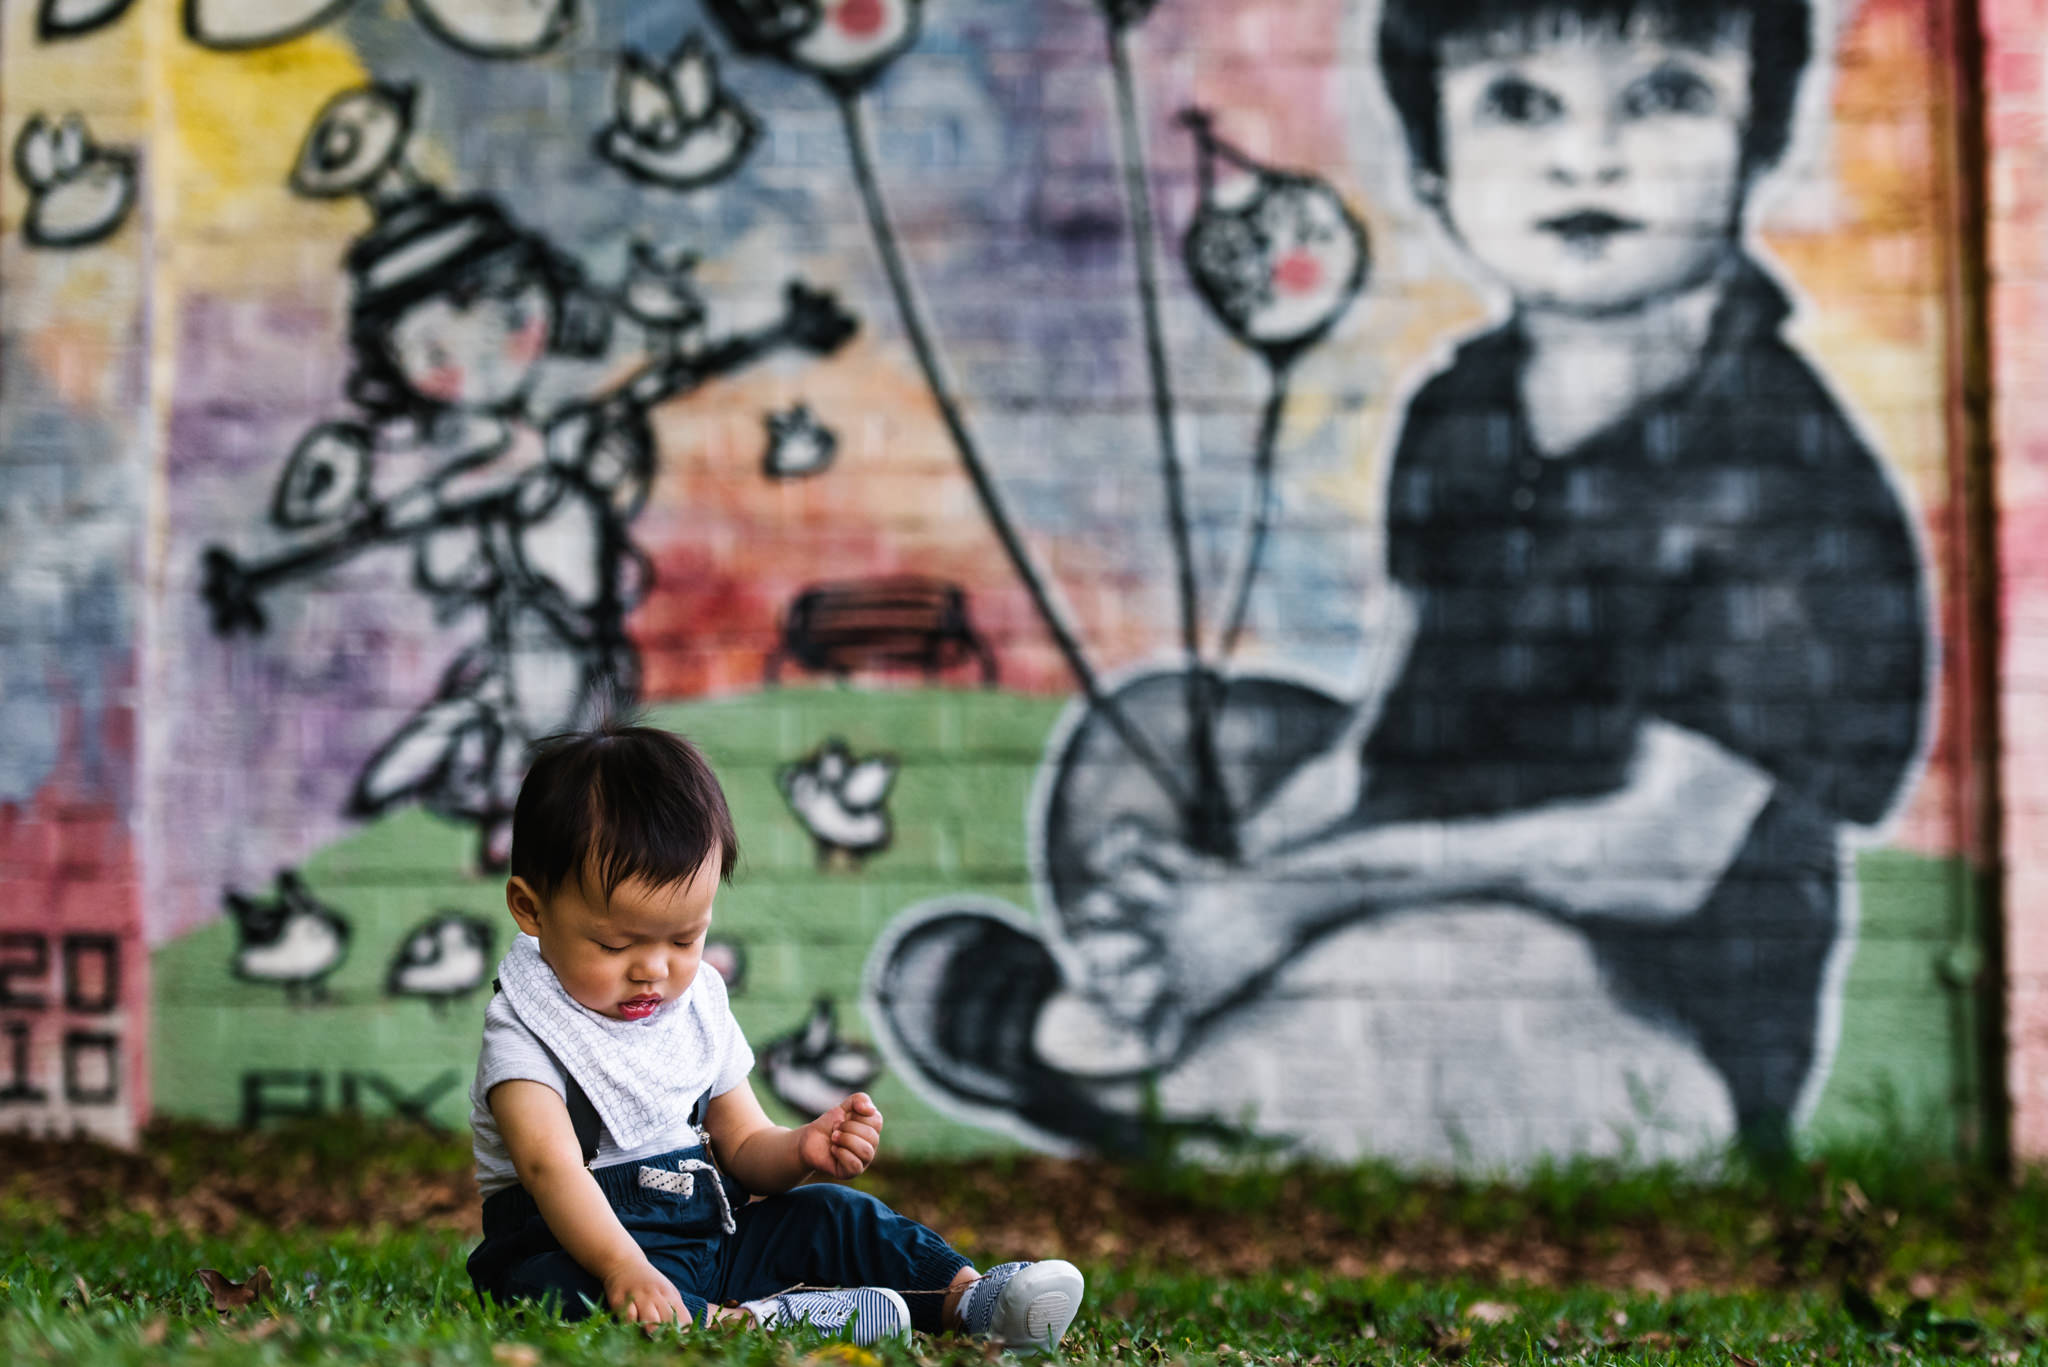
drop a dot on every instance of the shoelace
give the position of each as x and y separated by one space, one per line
978 1301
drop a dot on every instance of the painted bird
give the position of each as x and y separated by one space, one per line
78 191
292 939
798 444
840 800
811 1069
442 958
675 125
1275 253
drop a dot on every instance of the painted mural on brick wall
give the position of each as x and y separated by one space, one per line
1376 614
73 962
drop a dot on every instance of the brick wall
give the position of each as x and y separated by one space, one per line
1573 763
2014 101
75 472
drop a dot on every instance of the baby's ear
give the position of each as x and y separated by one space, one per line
524 905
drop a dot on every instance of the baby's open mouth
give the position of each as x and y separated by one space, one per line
1587 227
639 1008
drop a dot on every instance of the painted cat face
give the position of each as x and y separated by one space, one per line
477 353
1595 171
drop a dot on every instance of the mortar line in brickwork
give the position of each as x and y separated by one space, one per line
882 227
1214 826
1974 963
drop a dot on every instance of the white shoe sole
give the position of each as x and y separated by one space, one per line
1034 1310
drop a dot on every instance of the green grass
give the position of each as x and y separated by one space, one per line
128 1296
1877 1256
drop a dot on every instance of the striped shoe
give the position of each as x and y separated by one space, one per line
1024 1307
874 1313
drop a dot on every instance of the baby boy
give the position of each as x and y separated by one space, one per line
624 1160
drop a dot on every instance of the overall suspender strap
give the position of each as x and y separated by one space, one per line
583 1116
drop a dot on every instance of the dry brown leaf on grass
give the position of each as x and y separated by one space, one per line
1446 1343
515 1354
228 1295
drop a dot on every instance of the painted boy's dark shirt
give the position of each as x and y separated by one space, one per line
1730 559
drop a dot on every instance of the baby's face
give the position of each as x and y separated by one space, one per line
1593 172
627 957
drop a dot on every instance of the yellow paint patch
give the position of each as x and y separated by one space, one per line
236 121
95 76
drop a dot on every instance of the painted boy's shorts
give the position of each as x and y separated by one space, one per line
678 1207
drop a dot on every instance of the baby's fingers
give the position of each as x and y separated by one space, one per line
861 1150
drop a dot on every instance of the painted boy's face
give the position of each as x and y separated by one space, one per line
473 354
626 957
1593 172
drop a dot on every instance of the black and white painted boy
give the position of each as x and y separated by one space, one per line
1666 625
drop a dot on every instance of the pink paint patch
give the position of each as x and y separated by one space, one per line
524 346
443 383
861 18
1298 272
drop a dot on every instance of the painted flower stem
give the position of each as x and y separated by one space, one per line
1265 504
882 227
1213 828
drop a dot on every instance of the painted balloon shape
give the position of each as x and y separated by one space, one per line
1275 253
357 145
236 24
482 28
498 28
847 43
74 18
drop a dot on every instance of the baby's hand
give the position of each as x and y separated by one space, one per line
841 1142
640 1295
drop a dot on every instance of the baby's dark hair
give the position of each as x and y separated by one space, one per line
1414 33
617 802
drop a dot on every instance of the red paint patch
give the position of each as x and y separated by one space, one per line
861 18
1298 272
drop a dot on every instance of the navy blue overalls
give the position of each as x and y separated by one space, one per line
700 1230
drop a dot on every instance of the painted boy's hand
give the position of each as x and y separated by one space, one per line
841 1142
640 1295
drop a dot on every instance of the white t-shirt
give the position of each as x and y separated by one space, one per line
512 1052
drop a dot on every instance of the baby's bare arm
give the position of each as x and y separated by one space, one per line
542 1143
